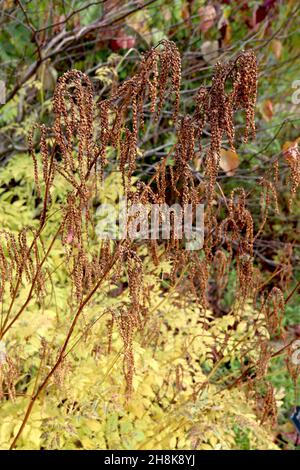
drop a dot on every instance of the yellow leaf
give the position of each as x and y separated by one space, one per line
290 150
227 35
5 431
206 447
87 443
276 47
139 21
93 425
35 436
137 408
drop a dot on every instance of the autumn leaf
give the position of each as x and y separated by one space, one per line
185 14
139 22
276 47
229 161
267 110
290 150
210 51
225 30
47 75
207 16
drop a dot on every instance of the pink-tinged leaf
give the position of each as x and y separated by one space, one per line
208 17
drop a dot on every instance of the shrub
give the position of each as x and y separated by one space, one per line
117 343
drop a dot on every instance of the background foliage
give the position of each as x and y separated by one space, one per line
84 405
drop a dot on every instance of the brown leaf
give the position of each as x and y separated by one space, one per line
229 161
185 14
267 110
225 30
